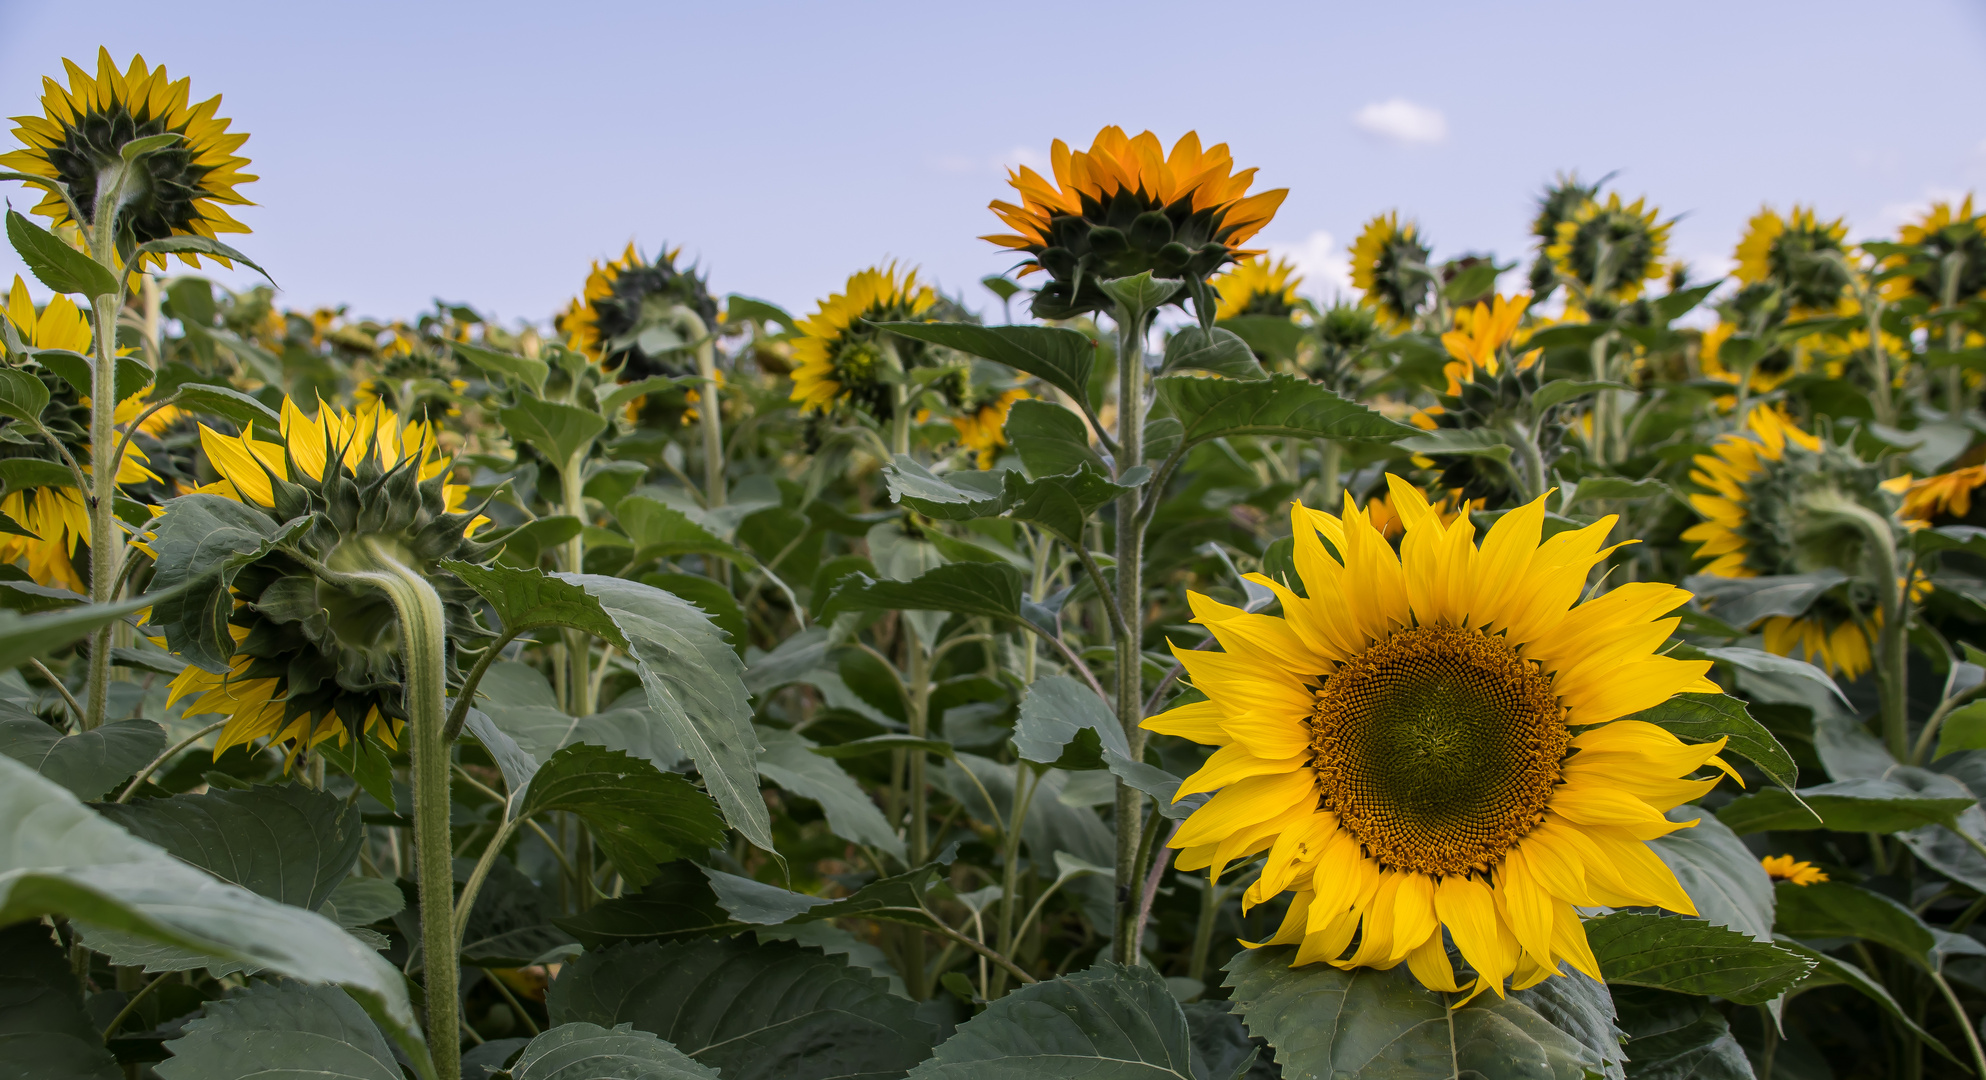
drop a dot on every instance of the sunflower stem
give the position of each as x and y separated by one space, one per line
1893 639
106 545
1130 617
579 681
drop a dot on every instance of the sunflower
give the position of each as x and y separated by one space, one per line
1124 207
636 318
310 661
1801 255
984 429
83 130
1480 334
1433 740
836 359
1949 239
1389 266
1784 868
1946 495
1558 203
1610 248
1255 286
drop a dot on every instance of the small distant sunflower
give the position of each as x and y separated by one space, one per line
636 318
1611 248
837 359
1949 239
984 428
1433 741
1944 497
1126 206
1389 266
1759 521
1798 253
1479 336
1255 286
1785 868
82 132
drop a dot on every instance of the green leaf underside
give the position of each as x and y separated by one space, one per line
1110 1022
88 763
1059 357
281 1031
291 844
583 1051
44 1030
639 815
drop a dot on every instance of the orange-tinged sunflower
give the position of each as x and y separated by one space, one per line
1434 740
1126 206
84 129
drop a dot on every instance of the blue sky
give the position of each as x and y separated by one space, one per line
486 152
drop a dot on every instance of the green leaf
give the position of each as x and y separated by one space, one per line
1372 1024
23 638
526 544
88 763
662 531
1964 729
1109 1022
1765 663
511 923
228 404
1062 504
1219 351
291 843
362 901
775 1011
22 396
992 589
1744 601
138 148
19 474
45 1034
1672 1037
677 903
1701 718
1833 971
919 488
1050 439
58 857
1281 404
1142 291
559 431
612 397
525 599
883 744
789 761
1477 442
640 815
1561 390
695 684
757 903
56 264
1691 956
188 244
1275 338
528 372
1719 873
1619 488
1831 909
1054 711
1060 357
518 702
201 543
1860 805
583 1051
1001 287
710 597
737 308
281 1031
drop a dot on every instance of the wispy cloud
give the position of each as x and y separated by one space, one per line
1326 269
1402 121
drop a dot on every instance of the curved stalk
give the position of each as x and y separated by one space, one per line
1892 641
169 753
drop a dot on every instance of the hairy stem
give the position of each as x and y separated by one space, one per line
1130 616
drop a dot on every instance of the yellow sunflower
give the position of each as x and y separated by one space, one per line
1433 740
1389 267
1948 239
1947 494
1480 332
1611 248
627 319
1801 254
838 360
1255 286
83 130
1127 206
984 430
1785 868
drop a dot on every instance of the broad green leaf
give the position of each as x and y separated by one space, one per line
1674 1037
742 901
291 843
1744 601
883 744
1765 663
1963 729
201 543
1062 504
1830 909
1222 1047
1559 390
528 598
512 923
20 474
88 763
22 396
662 531
639 815
789 761
1614 487
227 403
1700 718
525 545
1059 357
1219 351
1365 1024
1281 404
583 1051
59 857
992 589
23 638
710 597
281 1031
44 1031
1480 442
1860 805
189 244
361 901
917 487
1832 971
56 264
677 903
738 307
757 903
612 397
774 1011
521 705
558 431
1054 711
695 684
528 372
1142 291
1691 956
1273 337
1719 873
1109 1022
1050 439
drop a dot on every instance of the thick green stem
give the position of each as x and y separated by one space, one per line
1331 458
1130 611
1203 931
578 647
1893 639
711 417
1884 403
1603 403
106 542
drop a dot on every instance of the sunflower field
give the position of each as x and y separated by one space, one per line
1135 667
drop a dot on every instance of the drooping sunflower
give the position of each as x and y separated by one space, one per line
1434 741
1764 514
1786 868
1255 286
310 661
1389 267
837 359
1950 240
1611 248
637 318
1799 254
82 133
1124 207
983 428
1944 498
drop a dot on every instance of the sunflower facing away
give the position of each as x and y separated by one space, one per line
1611 248
82 131
1126 206
1389 266
836 359
635 314
1948 238
1433 741
1799 253
1255 286
983 427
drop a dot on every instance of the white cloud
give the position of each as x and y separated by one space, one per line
1401 121
1326 268
1894 216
